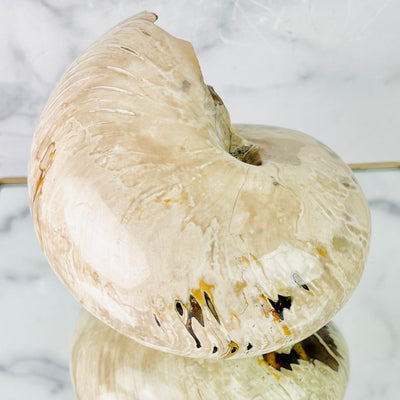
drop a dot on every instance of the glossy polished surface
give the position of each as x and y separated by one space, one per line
271 61
137 178
38 313
108 365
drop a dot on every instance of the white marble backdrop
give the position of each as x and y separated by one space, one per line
328 68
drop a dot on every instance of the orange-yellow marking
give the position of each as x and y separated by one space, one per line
264 298
233 348
275 375
198 293
49 154
245 259
255 259
322 251
43 170
239 287
261 361
286 330
38 185
298 348
271 360
184 198
274 314
270 311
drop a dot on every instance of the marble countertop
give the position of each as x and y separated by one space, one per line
38 314
331 70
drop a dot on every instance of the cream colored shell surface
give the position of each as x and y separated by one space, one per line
106 365
146 215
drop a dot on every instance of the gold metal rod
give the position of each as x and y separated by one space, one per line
355 167
13 181
375 165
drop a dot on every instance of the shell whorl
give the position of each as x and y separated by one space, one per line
314 368
177 229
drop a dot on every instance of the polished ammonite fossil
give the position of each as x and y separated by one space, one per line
176 228
108 365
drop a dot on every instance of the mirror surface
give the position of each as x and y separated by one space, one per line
38 314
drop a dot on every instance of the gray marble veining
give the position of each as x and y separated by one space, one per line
328 69
332 71
37 314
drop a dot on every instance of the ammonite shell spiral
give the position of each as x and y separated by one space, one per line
174 227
